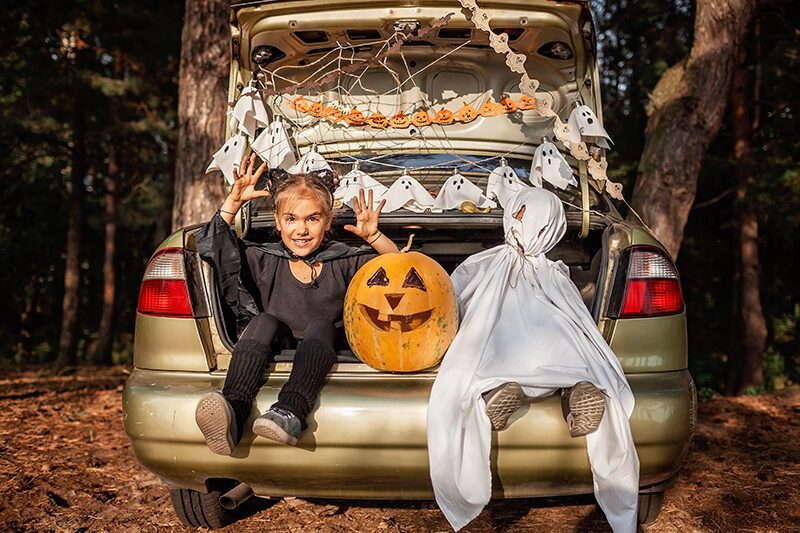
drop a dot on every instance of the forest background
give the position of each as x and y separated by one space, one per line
89 122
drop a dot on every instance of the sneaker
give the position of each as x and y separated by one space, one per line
216 420
501 403
279 425
583 406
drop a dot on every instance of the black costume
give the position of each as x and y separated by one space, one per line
263 296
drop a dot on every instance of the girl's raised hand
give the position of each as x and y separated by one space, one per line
366 217
244 184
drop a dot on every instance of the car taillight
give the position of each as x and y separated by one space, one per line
648 285
164 291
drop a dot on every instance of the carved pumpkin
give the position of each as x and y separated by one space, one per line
332 114
400 312
299 104
378 120
444 117
508 104
354 117
421 118
467 113
400 121
526 103
315 109
491 109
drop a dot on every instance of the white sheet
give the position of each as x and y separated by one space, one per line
523 320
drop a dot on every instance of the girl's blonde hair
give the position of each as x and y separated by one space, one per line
286 188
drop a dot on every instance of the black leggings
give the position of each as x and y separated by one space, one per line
314 357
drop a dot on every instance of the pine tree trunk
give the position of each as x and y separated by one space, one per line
685 113
202 105
101 354
68 341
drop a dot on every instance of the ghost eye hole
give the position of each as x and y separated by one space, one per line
413 280
378 278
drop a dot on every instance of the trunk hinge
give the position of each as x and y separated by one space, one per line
584 180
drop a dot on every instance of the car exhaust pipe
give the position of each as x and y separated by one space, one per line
236 496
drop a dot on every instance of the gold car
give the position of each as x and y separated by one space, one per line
367 435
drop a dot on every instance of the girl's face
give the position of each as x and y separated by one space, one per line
302 225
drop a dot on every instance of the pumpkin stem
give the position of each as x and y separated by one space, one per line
407 247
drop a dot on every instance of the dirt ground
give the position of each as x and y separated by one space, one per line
66 465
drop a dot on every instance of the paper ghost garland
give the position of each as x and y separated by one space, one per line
355 180
249 113
585 126
310 162
457 189
503 184
408 193
229 156
272 145
550 165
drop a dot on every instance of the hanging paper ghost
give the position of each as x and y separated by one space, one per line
408 193
229 156
249 113
310 162
503 184
354 181
272 145
457 189
548 163
586 127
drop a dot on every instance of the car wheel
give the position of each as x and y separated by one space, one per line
649 506
196 509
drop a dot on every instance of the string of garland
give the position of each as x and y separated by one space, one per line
419 118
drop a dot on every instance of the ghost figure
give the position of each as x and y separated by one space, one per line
249 113
229 156
503 184
457 189
273 146
408 193
585 126
310 162
355 180
548 163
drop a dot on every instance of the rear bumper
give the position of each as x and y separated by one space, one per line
366 438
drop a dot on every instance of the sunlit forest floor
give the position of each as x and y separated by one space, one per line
66 465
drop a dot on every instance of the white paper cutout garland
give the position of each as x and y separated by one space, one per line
310 162
408 193
585 126
272 145
503 183
457 189
355 180
249 113
550 165
229 156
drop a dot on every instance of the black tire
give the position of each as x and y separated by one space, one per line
649 506
196 509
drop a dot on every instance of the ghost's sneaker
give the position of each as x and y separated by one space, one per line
583 406
501 403
217 421
279 425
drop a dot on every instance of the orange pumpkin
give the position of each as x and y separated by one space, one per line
491 109
400 121
315 109
378 120
354 117
467 113
508 104
299 104
444 117
400 312
526 103
421 118
332 114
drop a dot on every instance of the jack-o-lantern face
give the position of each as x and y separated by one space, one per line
400 121
299 104
491 109
508 104
378 120
315 109
421 118
444 117
354 117
332 114
466 113
400 312
526 103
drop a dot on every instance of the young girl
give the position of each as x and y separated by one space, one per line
297 284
